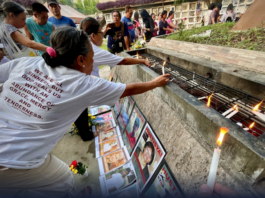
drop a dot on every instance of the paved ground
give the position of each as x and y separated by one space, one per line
71 147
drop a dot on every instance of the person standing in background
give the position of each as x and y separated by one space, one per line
158 20
170 22
136 19
15 43
127 19
57 19
208 14
163 25
38 28
155 24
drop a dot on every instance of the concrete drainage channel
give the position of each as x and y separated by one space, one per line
243 151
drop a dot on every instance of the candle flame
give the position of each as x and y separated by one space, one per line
164 63
209 100
223 131
146 58
137 55
144 38
251 126
257 106
235 107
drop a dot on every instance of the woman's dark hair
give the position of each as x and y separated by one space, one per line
230 7
117 12
170 13
136 16
151 146
211 6
12 7
90 25
152 14
163 13
69 43
138 28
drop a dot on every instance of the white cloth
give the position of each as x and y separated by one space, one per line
116 181
107 147
157 22
35 112
103 57
4 60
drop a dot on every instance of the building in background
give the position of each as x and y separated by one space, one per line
192 10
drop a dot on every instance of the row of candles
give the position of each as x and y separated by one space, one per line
217 152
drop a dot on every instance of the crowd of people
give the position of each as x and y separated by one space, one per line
47 84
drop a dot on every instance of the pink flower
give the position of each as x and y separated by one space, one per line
185 18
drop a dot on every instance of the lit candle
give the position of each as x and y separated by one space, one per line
233 113
137 55
146 58
229 110
163 67
202 97
215 160
209 100
250 126
256 111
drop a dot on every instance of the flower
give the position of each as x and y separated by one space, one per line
73 124
93 117
75 171
73 164
185 18
76 131
89 124
89 115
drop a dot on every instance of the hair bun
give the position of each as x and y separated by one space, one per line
51 61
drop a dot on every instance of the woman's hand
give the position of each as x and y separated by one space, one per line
161 80
147 63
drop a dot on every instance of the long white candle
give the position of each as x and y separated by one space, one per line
213 169
260 115
163 70
227 112
202 97
232 114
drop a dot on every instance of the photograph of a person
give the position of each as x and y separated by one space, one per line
164 185
104 117
107 135
118 106
104 126
108 146
117 179
133 129
112 160
147 156
99 109
125 113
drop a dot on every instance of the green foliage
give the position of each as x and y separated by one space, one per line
89 6
252 39
81 168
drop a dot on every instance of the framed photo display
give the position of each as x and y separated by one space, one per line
107 135
147 156
133 129
106 147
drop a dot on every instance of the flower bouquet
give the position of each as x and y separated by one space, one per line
91 123
78 168
138 44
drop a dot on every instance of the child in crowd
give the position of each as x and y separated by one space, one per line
3 59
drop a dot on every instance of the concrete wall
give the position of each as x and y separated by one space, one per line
189 136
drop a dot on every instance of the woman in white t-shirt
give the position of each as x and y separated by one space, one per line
101 57
41 98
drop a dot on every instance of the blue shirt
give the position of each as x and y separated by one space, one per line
40 33
62 22
115 34
130 27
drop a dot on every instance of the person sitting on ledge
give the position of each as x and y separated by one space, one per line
101 57
41 98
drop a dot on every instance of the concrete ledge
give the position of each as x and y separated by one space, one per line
244 59
238 159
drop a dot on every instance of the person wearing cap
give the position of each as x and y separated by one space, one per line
3 58
57 19
37 27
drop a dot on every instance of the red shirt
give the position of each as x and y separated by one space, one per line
155 32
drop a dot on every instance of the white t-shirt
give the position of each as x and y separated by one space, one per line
103 57
4 60
116 181
38 104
